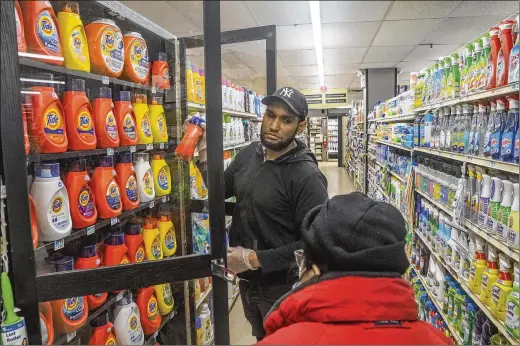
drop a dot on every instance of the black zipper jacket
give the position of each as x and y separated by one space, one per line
272 198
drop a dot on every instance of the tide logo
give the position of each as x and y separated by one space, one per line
137 51
113 191
132 323
166 74
129 122
111 120
109 37
169 239
145 124
85 122
147 180
152 307
46 25
139 255
52 120
76 41
71 303
131 183
156 248
161 124
57 204
84 198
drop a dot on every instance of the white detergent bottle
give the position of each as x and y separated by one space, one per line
438 290
494 205
207 329
430 277
483 206
504 210
127 323
51 202
143 172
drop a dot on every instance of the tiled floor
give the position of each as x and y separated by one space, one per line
239 328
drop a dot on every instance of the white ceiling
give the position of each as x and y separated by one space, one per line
356 34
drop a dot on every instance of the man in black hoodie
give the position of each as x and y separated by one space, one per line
276 182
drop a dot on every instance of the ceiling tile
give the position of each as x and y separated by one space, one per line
306 79
355 84
294 37
405 32
422 53
353 11
414 66
386 54
230 61
255 60
337 85
239 73
341 56
343 79
337 35
309 86
476 8
244 47
378 64
334 69
279 12
311 70
420 9
461 30
281 71
298 57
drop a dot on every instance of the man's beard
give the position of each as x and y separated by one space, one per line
280 144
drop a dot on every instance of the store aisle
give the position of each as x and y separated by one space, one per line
337 177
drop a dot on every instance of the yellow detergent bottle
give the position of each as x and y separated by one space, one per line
490 276
158 120
166 233
478 265
501 288
164 295
73 38
190 86
152 243
513 306
142 119
161 175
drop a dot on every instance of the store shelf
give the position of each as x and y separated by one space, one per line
452 329
77 233
393 119
506 90
401 179
233 113
395 145
476 160
439 205
203 297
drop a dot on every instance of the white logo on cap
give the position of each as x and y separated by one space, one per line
287 92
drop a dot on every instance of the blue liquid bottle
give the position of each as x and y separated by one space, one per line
510 129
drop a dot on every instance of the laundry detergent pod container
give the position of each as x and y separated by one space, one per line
106 48
136 58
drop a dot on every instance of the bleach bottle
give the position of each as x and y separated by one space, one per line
52 203
510 130
127 322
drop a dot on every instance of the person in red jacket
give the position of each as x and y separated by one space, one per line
350 289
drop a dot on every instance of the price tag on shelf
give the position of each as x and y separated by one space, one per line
120 296
110 151
132 148
149 146
59 244
161 145
71 336
164 199
105 80
151 205
154 90
91 230
114 221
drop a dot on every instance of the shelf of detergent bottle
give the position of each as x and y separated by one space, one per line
493 93
95 152
470 226
25 61
233 113
453 332
101 223
499 324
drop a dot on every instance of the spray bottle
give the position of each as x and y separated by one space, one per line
504 210
498 129
478 265
485 149
475 198
510 130
464 79
482 63
490 276
513 224
485 195
494 205
513 306
501 288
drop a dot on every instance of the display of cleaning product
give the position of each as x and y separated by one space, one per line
166 233
102 331
73 39
148 310
158 120
134 242
20 30
197 83
485 195
79 117
190 85
46 324
127 322
115 249
491 67
142 118
161 174
152 240
478 265
106 123
161 72
186 148
501 288
89 259
12 329
83 210
200 233
136 58
494 205
202 75
513 224
127 182
106 48
490 276
514 71
504 210
52 203
125 118
106 189
512 315
197 187
507 150
41 31
506 41
164 295
145 179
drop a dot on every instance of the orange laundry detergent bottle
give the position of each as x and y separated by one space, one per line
41 31
34 222
125 118
106 123
20 32
136 58
79 117
47 125
71 313
105 44
89 259
106 189
83 210
505 50
46 325
161 72
148 310
186 148
134 242
102 331
127 181
115 250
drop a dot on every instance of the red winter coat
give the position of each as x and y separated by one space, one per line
350 310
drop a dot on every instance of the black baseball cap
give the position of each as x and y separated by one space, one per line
294 99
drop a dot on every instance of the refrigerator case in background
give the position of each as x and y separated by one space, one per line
332 137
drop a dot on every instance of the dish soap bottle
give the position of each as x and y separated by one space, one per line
161 175
127 324
490 275
164 295
513 306
145 181
148 310
102 331
142 118
513 223
152 242
501 288
158 120
167 233
73 39
134 242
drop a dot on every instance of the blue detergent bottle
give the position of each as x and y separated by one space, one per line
510 129
498 129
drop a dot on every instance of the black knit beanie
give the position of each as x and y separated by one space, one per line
354 233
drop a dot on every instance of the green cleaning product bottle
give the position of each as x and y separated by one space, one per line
457 308
481 81
468 323
478 265
451 300
513 306
490 276
455 76
494 205
464 77
448 70
504 210
501 288
473 70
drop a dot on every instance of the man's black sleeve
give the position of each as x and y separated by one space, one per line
229 178
309 192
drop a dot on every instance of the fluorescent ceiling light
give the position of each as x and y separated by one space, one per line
314 7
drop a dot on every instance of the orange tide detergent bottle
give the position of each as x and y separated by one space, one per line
47 125
46 324
79 117
20 32
89 259
125 118
161 72
105 44
102 331
136 58
34 222
106 189
106 123
186 148
73 38
127 181
71 313
134 242
115 250
41 31
152 241
148 310
83 210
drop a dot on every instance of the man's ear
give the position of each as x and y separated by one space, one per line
301 126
